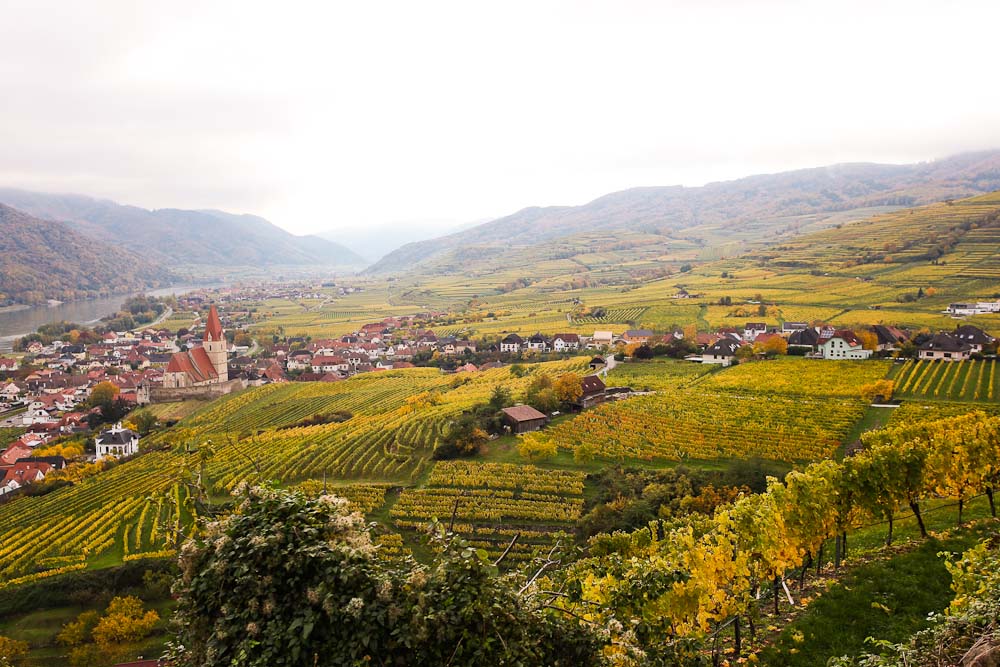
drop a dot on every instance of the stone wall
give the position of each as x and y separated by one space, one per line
204 393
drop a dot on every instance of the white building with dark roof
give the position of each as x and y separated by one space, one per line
117 442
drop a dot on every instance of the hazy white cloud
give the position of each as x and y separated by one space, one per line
327 115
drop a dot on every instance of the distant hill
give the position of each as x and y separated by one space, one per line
732 216
180 237
42 259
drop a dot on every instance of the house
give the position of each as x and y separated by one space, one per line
10 392
538 343
637 336
524 418
593 391
8 365
804 338
723 351
964 309
512 343
889 338
792 327
199 366
843 344
12 454
117 442
566 342
974 336
601 339
20 474
752 329
945 347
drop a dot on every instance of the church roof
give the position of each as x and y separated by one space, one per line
213 328
195 363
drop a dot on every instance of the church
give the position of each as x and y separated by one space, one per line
200 366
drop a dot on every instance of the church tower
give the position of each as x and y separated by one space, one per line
215 344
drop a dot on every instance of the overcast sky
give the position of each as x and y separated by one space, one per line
339 114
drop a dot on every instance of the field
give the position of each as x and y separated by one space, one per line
948 380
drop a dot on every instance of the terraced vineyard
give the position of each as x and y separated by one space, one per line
492 502
948 380
125 511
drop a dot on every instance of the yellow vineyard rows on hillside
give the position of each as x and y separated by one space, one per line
490 503
119 512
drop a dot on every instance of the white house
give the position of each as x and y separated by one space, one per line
512 343
601 339
538 342
723 351
752 329
324 364
565 342
843 345
117 442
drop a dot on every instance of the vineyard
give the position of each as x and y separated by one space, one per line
681 425
657 374
969 380
613 315
136 507
492 502
799 377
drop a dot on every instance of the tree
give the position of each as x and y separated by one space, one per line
11 651
644 351
78 631
536 447
500 398
125 621
289 581
144 421
103 394
868 338
772 346
568 387
880 390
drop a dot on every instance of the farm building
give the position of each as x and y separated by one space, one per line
524 418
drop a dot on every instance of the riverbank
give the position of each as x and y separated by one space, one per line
20 320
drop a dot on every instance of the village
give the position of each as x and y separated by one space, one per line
46 394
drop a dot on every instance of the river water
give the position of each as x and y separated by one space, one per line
17 323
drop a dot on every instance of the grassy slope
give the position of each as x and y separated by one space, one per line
888 599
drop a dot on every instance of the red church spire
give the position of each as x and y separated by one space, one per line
213 328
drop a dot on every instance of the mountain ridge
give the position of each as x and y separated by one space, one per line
714 209
44 259
174 236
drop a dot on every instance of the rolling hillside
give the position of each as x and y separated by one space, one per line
41 259
181 237
719 219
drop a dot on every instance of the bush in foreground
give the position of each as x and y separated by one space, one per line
287 580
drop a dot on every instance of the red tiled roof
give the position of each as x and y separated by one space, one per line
213 328
195 363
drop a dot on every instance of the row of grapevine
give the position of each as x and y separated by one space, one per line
489 503
967 380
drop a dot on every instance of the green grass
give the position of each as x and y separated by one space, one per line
887 599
